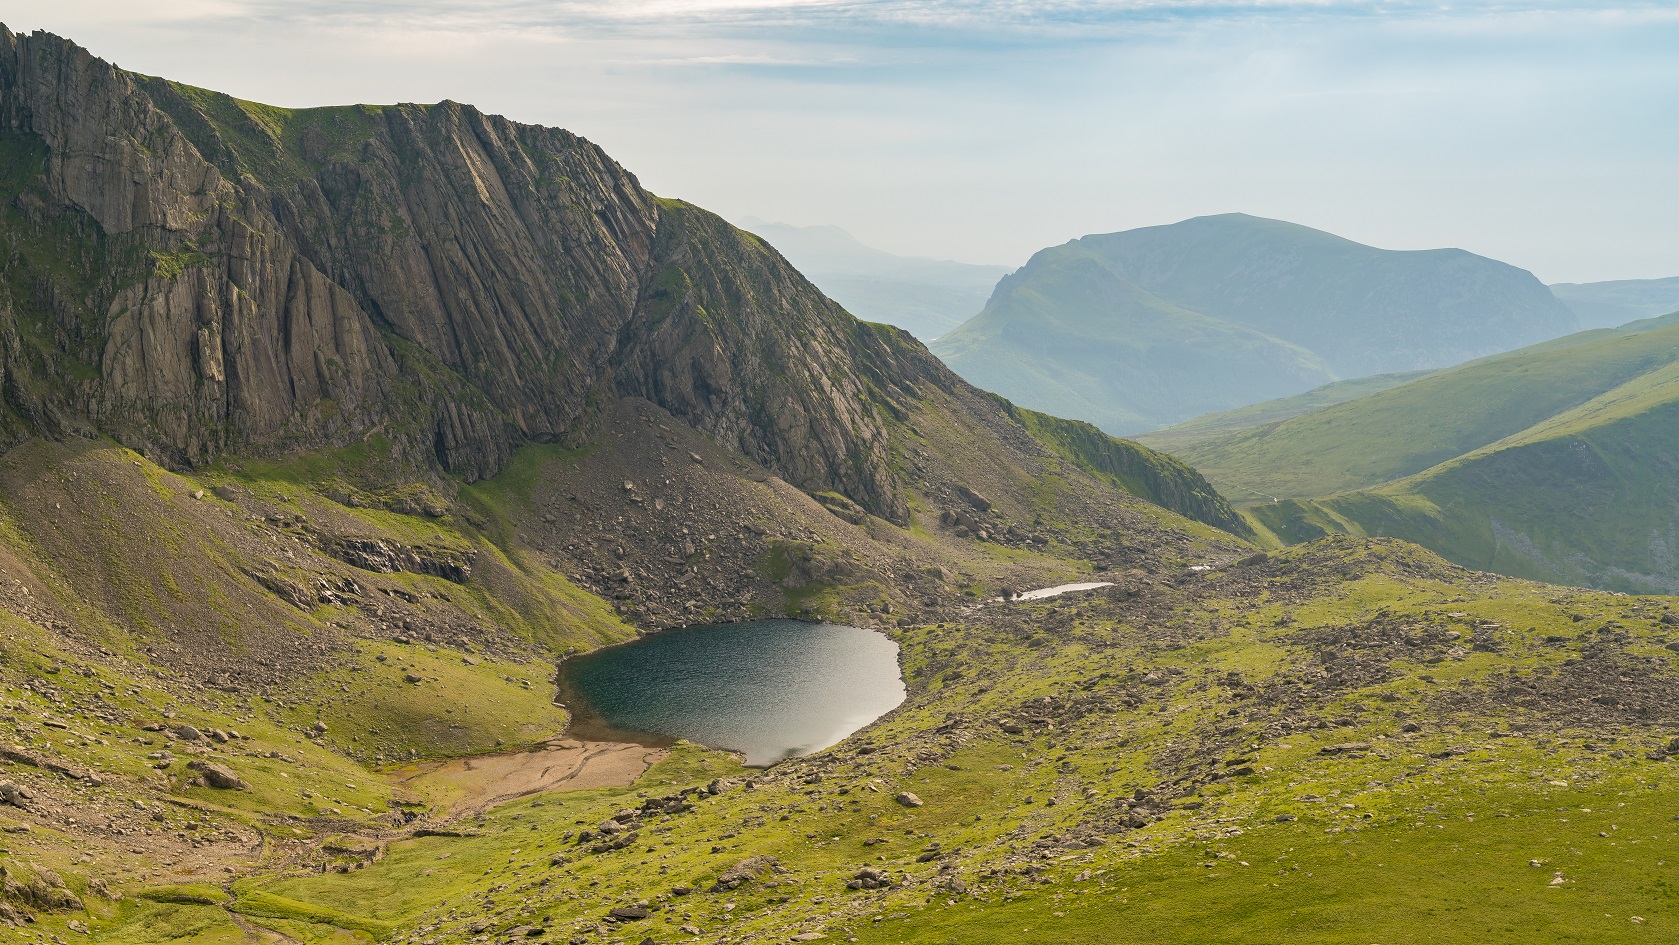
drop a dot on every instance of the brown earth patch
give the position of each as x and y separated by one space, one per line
483 781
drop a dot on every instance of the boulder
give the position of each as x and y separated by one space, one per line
219 776
968 495
1344 748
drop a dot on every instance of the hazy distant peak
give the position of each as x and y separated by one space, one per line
926 297
838 239
1611 304
1241 226
1239 304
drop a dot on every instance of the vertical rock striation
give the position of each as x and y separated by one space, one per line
205 274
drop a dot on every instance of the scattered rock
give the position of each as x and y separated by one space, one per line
745 871
869 878
1344 748
908 799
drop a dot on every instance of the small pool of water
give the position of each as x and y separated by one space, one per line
1043 593
769 689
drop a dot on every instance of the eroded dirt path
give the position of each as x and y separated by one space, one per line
483 781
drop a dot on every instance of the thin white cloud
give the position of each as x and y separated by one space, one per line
742 59
1542 132
975 15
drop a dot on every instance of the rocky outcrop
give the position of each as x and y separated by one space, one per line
732 339
36 887
385 557
252 278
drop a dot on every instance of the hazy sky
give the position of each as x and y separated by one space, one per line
1541 132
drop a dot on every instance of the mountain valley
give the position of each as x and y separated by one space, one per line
329 433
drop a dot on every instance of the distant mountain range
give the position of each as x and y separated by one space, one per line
925 297
1608 304
1149 327
1557 462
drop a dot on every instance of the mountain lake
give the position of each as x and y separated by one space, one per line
769 689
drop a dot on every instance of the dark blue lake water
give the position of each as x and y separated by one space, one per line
770 689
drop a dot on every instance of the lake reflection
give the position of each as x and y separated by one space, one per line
770 689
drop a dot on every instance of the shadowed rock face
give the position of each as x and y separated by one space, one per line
194 275
197 276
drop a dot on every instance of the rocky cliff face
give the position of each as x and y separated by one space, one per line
196 275
258 278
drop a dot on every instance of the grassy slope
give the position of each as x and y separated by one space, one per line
1369 845
1315 638
145 584
1178 438
1556 462
140 565
1141 471
1586 497
1410 428
128 603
